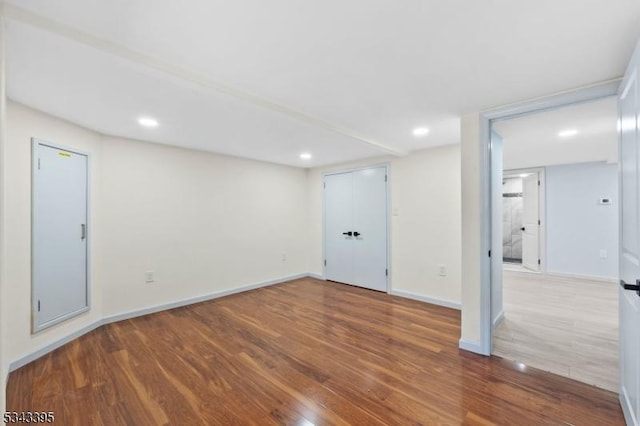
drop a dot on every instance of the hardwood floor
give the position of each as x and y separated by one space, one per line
303 352
563 325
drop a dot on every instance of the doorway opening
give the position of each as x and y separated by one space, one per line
522 224
555 211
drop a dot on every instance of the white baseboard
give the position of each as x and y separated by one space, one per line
316 276
191 300
53 345
427 299
470 346
582 277
498 319
629 418
140 312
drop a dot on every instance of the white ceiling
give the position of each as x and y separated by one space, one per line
268 80
533 141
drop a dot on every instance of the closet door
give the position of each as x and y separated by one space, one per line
356 228
370 228
59 233
338 233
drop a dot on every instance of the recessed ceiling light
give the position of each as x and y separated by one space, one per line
305 156
524 175
568 133
420 131
148 122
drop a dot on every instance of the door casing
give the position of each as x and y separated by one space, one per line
572 97
34 165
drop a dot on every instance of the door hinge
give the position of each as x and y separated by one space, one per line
325 185
539 262
38 164
386 272
489 253
325 262
538 183
538 221
385 178
38 305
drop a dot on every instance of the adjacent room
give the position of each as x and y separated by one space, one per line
281 212
559 229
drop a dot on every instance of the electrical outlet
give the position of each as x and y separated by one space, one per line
149 277
603 254
442 270
284 256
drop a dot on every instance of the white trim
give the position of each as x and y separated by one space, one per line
316 276
629 418
612 280
197 299
140 312
14 365
427 299
569 97
592 92
36 143
387 167
43 23
498 319
470 346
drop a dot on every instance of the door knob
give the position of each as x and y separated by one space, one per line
356 233
348 233
522 229
633 287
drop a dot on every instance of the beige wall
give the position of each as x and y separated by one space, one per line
471 156
202 222
22 124
425 233
425 188
206 223
3 368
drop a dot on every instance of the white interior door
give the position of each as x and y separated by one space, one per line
338 232
629 299
356 228
59 234
530 222
370 228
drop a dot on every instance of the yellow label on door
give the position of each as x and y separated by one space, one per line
64 154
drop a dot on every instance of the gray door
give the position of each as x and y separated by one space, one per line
59 234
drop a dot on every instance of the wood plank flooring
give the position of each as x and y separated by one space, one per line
303 352
563 325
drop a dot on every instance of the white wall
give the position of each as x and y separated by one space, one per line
473 260
425 222
22 124
206 223
577 226
425 192
3 366
203 222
